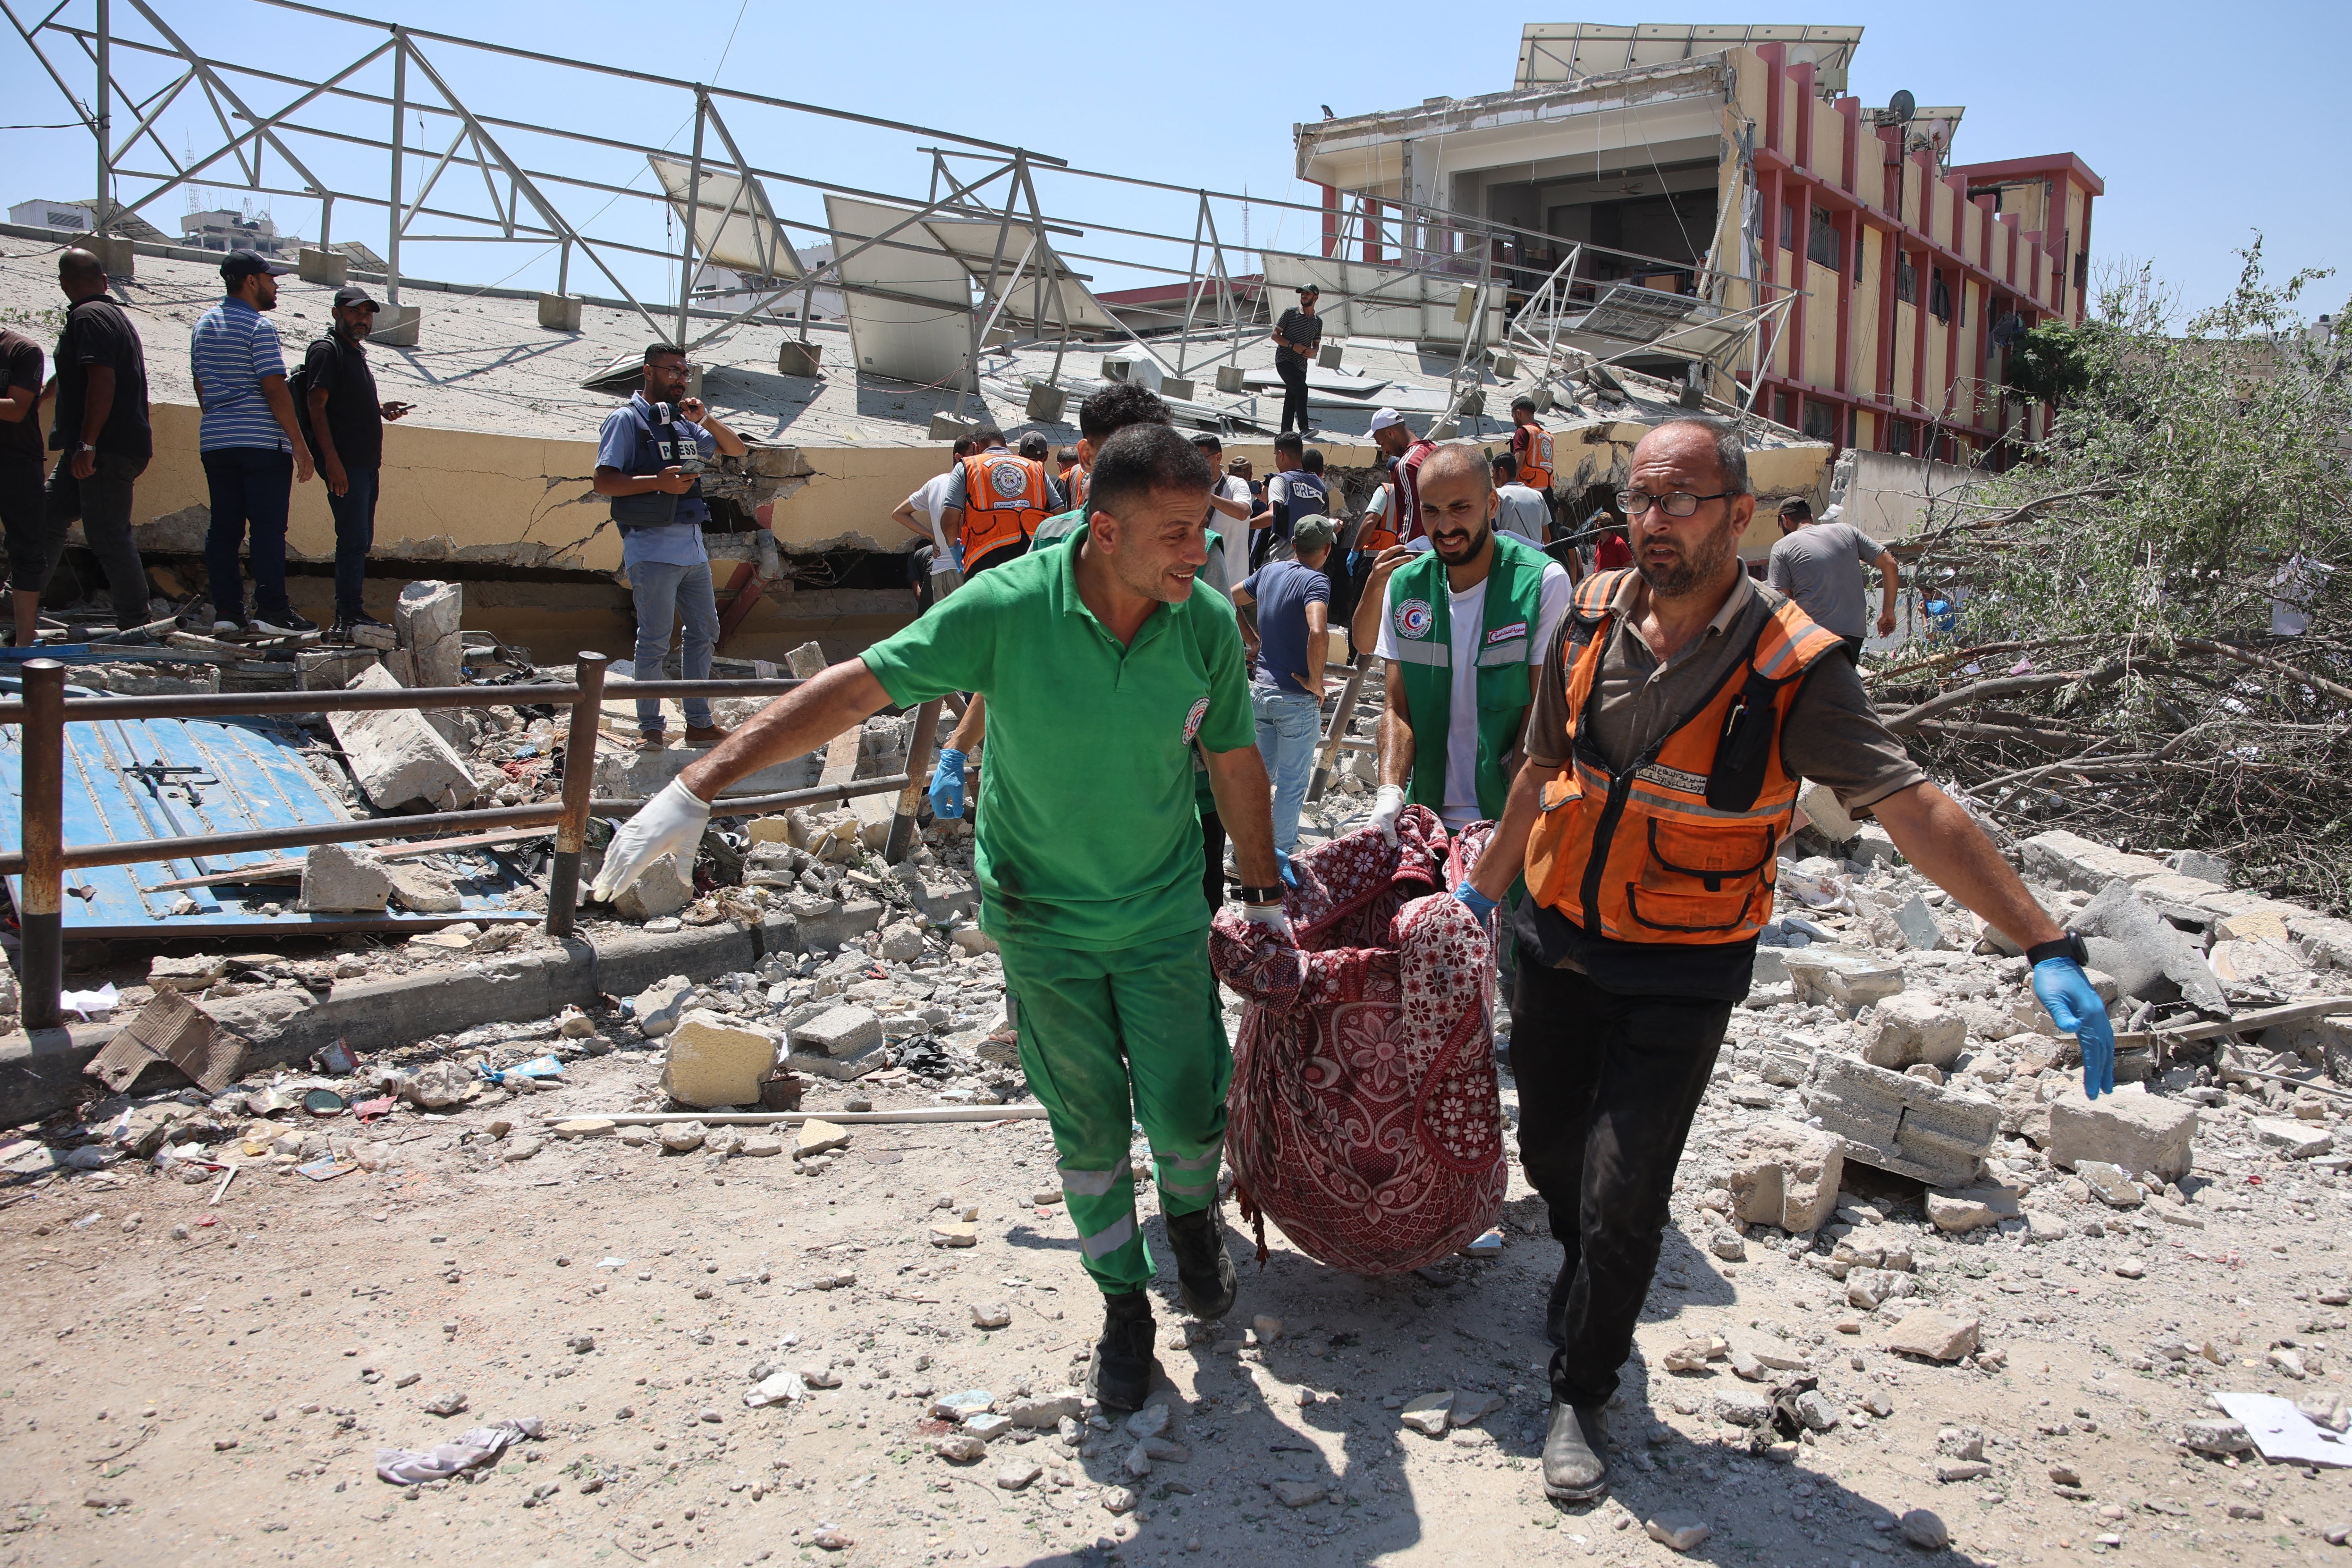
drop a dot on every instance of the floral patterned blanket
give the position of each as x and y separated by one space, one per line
1366 1119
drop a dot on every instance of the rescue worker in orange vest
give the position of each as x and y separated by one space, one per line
1532 445
1676 708
994 502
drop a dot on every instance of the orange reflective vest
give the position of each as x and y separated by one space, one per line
1534 444
1003 501
1677 846
1076 482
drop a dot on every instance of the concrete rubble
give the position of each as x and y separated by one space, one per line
1871 1281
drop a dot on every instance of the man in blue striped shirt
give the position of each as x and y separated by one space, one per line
252 446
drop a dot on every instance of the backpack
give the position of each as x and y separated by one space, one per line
297 386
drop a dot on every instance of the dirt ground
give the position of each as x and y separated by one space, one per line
198 1383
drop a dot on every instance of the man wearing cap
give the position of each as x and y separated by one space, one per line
1106 672
1814 563
1401 532
1297 336
251 441
1293 601
103 439
344 419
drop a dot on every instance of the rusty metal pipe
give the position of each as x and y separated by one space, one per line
256 704
39 902
429 826
579 778
903 833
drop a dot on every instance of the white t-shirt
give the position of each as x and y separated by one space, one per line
1467 620
1234 531
1523 511
929 500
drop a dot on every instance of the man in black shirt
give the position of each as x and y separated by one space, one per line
344 423
101 431
21 503
1296 338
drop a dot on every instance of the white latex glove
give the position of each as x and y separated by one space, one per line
1386 804
670 823
1271 917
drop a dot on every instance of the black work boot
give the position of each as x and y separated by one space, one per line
1573 1469
1119 1372
1555 1309
1204 1274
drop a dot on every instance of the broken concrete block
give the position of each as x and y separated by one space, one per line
1962 1211
769 831
344 880
332 668
1043 1412
1829 816
425 621
2203 866
423 892
2325 941
713 1062
1429 1413
1873 846
1917 924
2296 1139
2139 1132
661 888
1912 1029
942 896
2073 861
831 923
901 942
806 661
399 760
659 1007
1905 1125
2152 959
1785 1173
817 1136
2110 1183
440 1086
197 971
1841 978
1938 1336
838 1032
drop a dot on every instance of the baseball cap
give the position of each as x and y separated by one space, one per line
1386 417
1310 289
247 264
352 294
1312 534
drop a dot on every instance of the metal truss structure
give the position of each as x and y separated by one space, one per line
978 259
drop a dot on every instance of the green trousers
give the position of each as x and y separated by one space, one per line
1109 1039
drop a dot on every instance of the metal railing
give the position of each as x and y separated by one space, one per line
45 710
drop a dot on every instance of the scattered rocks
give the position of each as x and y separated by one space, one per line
1785 1173
1959 1212
963 1449
658 1007
1678 1531
2109 1184
1934 1335
1016 1475
712 1061
1913 1028
1924 1530
1428 1414
663 888
991 1315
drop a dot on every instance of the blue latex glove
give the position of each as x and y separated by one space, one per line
1289 876
947 786
2075 1007
956 551
1481 907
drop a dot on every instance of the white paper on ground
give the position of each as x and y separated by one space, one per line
87 1001
2283 1433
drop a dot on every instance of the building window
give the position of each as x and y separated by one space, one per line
2082 270
1857 250
1907 280
1822 242
1939 297
1788 225
1780 410
1898 437
1823 420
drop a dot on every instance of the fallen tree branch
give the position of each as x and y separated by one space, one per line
2259 661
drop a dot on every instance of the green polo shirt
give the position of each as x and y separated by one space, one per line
1088 835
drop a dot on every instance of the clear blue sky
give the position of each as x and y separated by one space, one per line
2207 126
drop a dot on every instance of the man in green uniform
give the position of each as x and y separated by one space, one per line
1102 666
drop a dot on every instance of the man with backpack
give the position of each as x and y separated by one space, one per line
335 391
648 458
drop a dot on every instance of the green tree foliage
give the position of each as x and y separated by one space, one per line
2124 585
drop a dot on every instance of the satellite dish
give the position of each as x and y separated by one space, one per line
1903 106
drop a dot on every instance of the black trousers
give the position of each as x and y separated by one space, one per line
1294 391
1608 1085
1854 650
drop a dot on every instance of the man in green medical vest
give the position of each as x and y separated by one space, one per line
1106 670
1463 624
